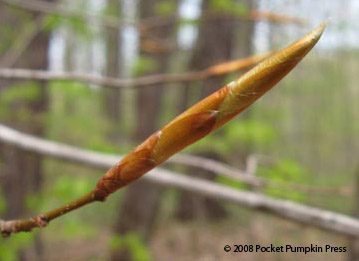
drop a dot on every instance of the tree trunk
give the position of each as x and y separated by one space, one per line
112 96
141 201
22 172
215 44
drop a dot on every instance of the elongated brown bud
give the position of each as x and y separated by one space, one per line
206 115
252 85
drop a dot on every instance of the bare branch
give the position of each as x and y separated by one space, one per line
25 74
219 69
251 165
51 8
322 219
70 153
218 168
248 177
149 23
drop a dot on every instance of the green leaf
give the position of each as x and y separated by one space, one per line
67 188
229 7
232 183
134 244
52 22
285 170
25 92
2 202
250 132
34 202
165 7
75 227
144 65
9 247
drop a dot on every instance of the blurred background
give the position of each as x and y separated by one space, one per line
301 137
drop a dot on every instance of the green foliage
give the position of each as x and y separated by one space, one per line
34 201
80 26
67 188
229 7
232 183
8 35
134 244
184 21
25 92
250 132
14 102
9 247
144 65
2 202
76 227
112 9
52 22
244 133
71 117
166 7
285 170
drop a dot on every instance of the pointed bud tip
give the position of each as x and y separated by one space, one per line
318 31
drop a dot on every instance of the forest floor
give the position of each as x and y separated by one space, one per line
205 241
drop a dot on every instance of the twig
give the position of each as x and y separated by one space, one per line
253 15
51 8
218 168
219 69
322 219
149 23
251 165
14 226
259 15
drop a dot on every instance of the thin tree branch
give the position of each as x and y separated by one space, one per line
218 168
149 23
216 70
253 15
322 219
70 153
247 177
52 8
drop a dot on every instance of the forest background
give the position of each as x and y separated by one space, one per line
301 137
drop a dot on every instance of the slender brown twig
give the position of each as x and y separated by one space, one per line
14 226
215 70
